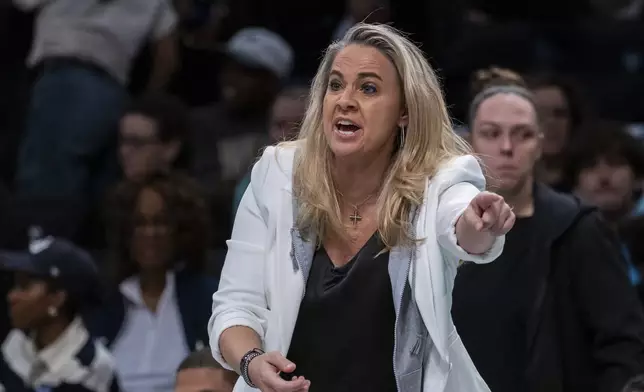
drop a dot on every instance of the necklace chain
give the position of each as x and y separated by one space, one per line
355 217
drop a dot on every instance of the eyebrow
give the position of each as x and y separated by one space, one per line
361 75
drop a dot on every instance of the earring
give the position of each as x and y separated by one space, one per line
52 311
402 136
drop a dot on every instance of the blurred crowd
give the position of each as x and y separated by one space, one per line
128 129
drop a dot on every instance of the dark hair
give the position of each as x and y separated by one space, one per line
168 112
188 214
570 90
198 360
602 140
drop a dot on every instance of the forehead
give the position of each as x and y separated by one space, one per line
355 59
549 95
506 109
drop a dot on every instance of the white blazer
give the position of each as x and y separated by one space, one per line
260 289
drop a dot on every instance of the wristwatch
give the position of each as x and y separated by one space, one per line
245 361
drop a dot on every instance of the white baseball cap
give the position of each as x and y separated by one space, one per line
259 47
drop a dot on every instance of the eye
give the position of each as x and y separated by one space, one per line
335 85
369 88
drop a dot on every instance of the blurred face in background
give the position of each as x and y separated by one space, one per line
245 88
554 114
29 301
608 183
141 152
287 115
506 135
152 241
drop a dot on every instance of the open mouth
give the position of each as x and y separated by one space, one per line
346 127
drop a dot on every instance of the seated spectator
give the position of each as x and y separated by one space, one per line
157 236
561 114
199 372
227 136
287 114
605 169
152 134
49 348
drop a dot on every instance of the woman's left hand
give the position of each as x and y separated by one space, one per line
488 212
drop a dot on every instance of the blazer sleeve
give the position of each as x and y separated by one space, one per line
240 299
463 180
608 303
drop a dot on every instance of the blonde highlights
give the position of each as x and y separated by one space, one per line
429 141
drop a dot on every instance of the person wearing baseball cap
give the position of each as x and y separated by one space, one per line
49 348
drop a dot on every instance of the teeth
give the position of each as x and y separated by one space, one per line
346 122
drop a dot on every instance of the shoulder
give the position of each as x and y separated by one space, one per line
101 371
465 168
196 282
274 168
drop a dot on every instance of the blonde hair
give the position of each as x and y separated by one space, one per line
428 142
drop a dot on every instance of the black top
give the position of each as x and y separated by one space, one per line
491 303
344 334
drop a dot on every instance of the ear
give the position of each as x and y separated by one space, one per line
403 121
58 299
171 151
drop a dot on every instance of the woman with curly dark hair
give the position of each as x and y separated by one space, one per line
158 237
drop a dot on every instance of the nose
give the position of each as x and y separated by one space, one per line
346 102
507 148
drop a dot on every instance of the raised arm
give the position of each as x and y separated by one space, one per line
471 223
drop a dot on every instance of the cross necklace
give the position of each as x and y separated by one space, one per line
355 217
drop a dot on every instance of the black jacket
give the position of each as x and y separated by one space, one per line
585 329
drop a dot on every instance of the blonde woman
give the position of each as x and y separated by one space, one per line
345 246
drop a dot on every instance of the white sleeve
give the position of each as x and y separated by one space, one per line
466 180
240 299
166 21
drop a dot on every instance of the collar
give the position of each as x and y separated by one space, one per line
131 289
19 348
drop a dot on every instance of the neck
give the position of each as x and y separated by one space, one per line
356 181
521 199
614 217
47 334
152 281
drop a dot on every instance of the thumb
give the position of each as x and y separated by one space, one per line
474 219
485 199
282 364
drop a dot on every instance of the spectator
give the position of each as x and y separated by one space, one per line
561 114
82 51
287 114
200 372
227 136
606 169
558 312
152 134
50 348
157 235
